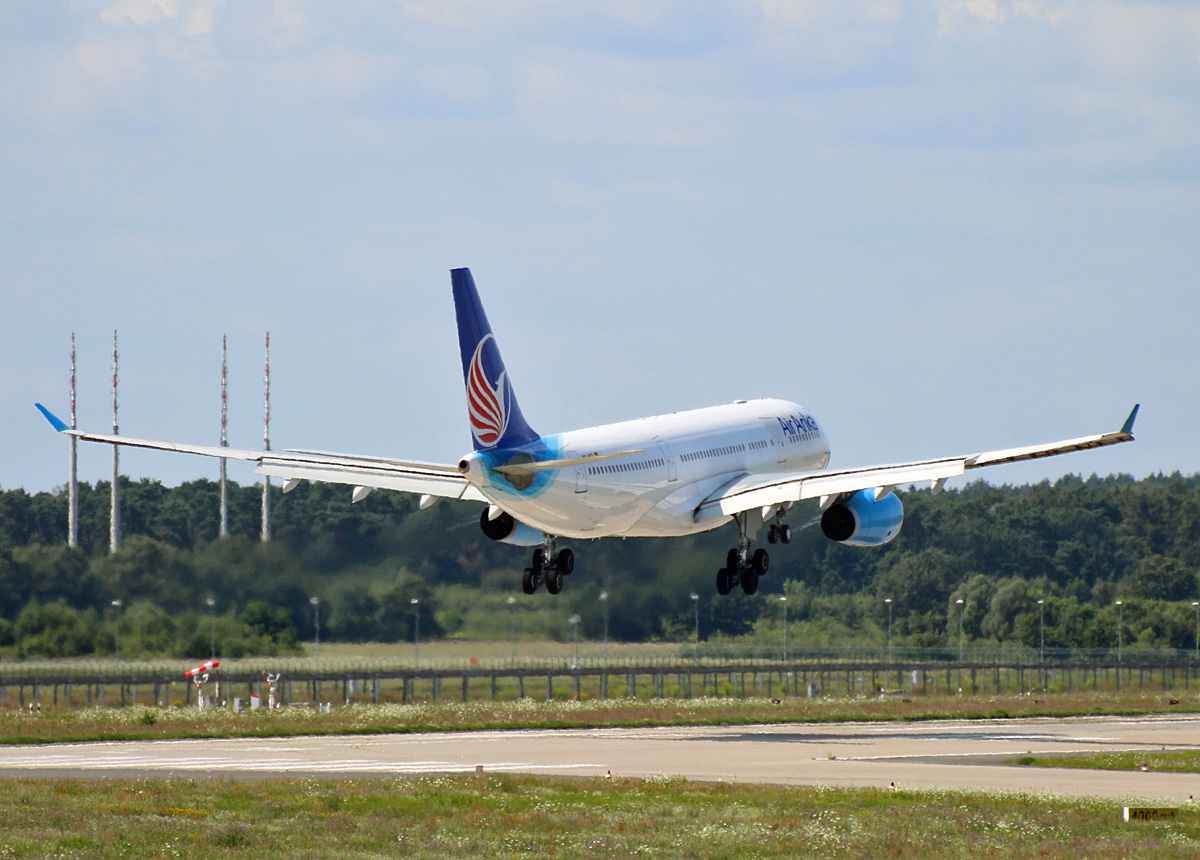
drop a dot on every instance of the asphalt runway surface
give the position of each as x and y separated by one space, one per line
944 754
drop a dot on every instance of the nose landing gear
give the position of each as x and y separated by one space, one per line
549 567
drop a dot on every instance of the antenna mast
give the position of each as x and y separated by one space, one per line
224 532
73 483
266 499
114 541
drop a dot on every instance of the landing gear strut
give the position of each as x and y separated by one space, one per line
779 530
741 567
549 567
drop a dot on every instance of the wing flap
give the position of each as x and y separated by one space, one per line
435 479
439 484
755 491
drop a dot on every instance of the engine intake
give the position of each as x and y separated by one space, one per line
507 529
861 520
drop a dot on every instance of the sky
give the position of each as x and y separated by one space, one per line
943 227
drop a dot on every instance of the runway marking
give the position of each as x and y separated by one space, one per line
225 763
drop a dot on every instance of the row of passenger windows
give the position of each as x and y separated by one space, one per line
658 463
714 452
614 468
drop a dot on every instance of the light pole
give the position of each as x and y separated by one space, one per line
575 619
1120 624
1042 631
960 629
316 605
212 613
1196 606
117 634
696 642
512 629
604 602
783 600
416 605
888 601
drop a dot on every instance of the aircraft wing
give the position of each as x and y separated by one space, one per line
761 491
433 479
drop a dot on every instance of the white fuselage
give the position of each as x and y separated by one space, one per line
685 458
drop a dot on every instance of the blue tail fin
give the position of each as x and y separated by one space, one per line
496 419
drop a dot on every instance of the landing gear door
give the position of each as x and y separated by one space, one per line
666 452
580 473
778 442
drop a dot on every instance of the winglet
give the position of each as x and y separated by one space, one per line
55 421
1127 427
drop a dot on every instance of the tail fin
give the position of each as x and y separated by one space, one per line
496 419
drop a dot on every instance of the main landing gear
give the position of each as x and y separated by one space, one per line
548 567
742 567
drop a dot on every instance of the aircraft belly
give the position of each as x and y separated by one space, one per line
673 514
561 511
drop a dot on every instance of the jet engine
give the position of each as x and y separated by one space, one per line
507 529
863 520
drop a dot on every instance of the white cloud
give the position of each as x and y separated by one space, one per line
289 24
455 14
590 98
334 73
957 12
140 12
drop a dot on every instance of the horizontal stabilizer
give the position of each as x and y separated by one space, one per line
513 469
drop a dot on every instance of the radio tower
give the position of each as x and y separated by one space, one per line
73 483
114 541
266 501
224 438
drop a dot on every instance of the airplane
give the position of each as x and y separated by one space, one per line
748 462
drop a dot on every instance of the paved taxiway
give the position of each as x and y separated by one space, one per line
949 754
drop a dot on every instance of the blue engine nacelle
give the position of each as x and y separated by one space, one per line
862 521
507 529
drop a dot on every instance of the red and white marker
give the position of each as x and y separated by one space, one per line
199 670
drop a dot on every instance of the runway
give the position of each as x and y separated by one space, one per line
944 754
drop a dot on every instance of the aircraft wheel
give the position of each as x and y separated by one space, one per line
566 561
554 581
724 582
761 561
785 534
750 582
731 560
528 584
772 533
539 560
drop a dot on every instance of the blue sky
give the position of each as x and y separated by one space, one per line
944 227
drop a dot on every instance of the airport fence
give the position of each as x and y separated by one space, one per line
302 682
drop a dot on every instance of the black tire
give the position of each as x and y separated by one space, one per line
724 582
527 583
761 562
731 560
772 533
539 563
750 582
554 581
566 562
785 534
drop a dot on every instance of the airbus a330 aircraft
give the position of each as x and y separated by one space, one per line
670 475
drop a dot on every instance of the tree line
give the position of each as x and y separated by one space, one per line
1076 545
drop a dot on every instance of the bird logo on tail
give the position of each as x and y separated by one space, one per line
487 405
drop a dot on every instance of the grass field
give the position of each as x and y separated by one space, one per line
527 817
142 722
1176 761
